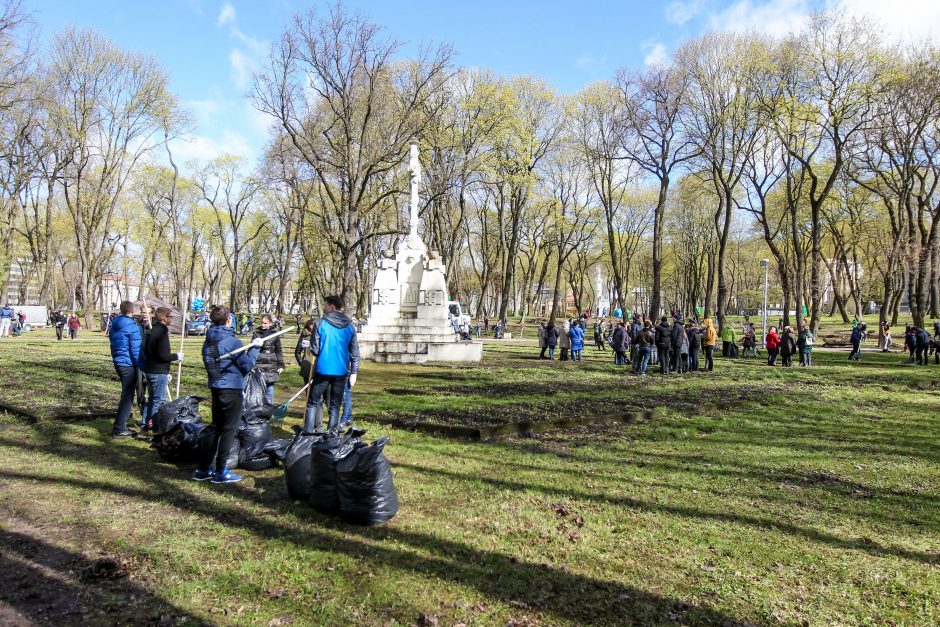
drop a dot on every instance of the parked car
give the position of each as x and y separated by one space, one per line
199 326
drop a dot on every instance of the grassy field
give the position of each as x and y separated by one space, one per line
754 496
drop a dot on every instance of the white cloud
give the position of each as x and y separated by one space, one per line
911 20
259 122
655 53
242 67
587 61
203 148
226 15
679 12
774 17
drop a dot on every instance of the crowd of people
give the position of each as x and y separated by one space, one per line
678 346
327 353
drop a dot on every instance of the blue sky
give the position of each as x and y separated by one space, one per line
210 47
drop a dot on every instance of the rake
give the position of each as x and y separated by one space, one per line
281 410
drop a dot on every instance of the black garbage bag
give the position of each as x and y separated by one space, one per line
256 390
258 412
277 448
297 464
324 457
184 409
253 436
207 439
180 442
259 462
366 491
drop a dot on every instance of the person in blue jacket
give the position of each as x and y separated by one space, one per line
576 333
335 348
226 382
6 320
126 340
856 341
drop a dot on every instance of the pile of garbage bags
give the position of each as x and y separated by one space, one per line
339 474
181 436
336 473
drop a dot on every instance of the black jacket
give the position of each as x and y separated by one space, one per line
551 336
270 357
695 339
787 344
678 334
663 335
156 350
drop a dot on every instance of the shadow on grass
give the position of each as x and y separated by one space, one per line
59 587
536 587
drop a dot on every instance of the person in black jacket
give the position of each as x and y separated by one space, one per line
157 358
551 339
695 341
664 344
678 340
270 361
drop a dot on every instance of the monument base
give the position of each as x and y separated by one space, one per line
415 341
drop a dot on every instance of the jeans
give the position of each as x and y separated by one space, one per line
644 356
347 405
856 352
665 358
269 392
156 393
806 359
772 356
58 332
620 358
128 375
336 385
551 352
709 358
73 334
693 360
226 418
576 354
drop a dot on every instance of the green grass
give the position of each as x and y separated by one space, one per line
755 495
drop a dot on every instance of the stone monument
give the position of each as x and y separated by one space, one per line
409 320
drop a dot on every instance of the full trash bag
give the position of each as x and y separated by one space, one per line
184 409
255 392
297 464
253 436
324 457
366 491
277 448
206 440
180 442
259 462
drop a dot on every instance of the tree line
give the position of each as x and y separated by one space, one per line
817 151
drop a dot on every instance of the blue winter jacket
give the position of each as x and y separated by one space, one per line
577 338
228 374
856 336
335 345
6 312
125 342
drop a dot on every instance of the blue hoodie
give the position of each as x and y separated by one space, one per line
125 341
228 374
6 312
335 346
577 338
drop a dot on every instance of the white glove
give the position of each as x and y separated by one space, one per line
352 380
257 342
280 370
304 343
179 356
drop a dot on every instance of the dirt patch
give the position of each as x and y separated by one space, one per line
58 586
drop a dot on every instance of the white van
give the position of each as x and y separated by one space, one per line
37 316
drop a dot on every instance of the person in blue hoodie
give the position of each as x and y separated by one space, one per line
6 320
226 382
335 349
126 340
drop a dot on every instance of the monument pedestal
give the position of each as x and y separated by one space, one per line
409 321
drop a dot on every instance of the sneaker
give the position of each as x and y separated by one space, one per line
203 475
126 433
226 476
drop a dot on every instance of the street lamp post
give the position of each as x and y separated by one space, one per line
765 264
